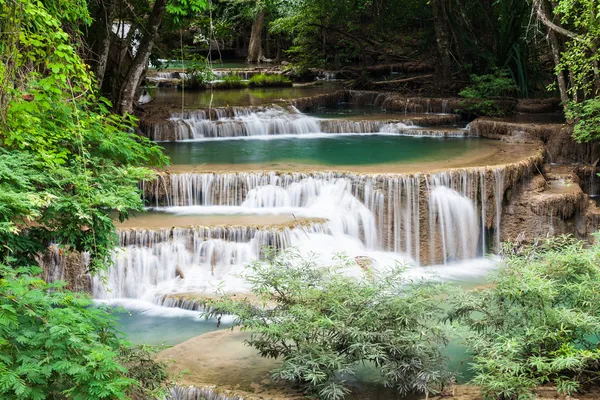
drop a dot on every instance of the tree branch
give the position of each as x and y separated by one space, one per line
551 25
406 80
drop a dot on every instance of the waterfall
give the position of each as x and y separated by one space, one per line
201 257
327 76
454 218
386 212
423 218
498 197
240 122
427 218
483 210
193 393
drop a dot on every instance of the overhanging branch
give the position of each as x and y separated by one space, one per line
551 25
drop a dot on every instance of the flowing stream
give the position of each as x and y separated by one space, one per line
416 219
227 200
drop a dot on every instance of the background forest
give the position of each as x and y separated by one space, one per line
70 158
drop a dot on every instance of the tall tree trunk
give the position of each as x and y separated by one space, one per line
101 29
560 75
255 52
443 69
543 9
278 59
137 68
596 78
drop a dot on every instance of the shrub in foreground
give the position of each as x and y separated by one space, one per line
55 344
539 324
323 325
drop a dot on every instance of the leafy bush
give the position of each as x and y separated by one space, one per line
264 80
481 108
56 344
232 81
198 73
587 119
539 324
324 325
150 375
498 84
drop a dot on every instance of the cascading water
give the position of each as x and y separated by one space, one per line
151 260
272 121
391 205
498 197
423 218
241 122
454 218
427 218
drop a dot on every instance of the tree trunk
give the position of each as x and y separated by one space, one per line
560 75
255 52
278 59
596 78
443 69
140 62
542 8
101 36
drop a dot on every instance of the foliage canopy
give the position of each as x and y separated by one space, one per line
77 161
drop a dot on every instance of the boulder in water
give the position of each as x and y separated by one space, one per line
366 263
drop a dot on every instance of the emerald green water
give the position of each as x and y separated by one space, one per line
171 97
147 328
322 150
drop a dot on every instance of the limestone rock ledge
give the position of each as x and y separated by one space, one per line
548 205
61 264
557 139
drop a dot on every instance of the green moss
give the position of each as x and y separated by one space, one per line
263 80
233 81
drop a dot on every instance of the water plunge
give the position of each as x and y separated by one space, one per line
427 218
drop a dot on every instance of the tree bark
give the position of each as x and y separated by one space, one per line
255 52
443 69
560 75
101 29
140 62
542 15
540 7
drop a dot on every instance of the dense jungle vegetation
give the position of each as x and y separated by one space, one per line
70 156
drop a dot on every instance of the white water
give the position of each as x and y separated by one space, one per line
438 218
274 121
454 218
498 196
385 218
